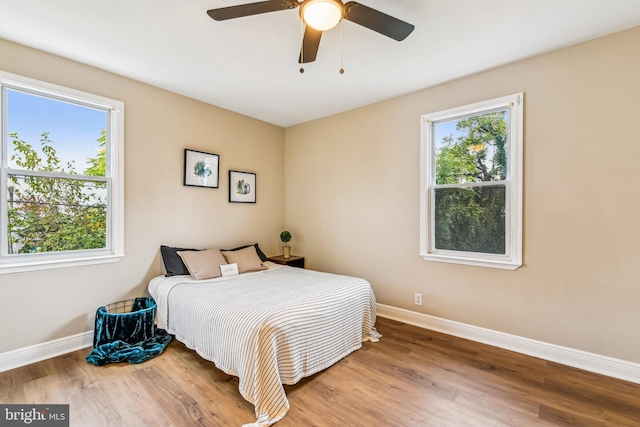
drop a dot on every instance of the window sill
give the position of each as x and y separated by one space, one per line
24 267
478 262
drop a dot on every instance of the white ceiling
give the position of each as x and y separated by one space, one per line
249 65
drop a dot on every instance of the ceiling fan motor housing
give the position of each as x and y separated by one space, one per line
322 15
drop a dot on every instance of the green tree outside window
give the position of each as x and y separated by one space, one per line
50 214
472 218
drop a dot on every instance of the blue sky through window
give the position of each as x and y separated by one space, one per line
74 129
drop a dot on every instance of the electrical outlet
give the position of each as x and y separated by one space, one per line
417 299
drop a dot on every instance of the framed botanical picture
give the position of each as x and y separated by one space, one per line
242 187
201 169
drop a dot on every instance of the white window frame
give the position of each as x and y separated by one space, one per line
513 185
114 251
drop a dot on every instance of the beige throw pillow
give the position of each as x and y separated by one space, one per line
247 259
203 264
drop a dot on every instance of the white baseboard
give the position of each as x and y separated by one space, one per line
617 368
35 353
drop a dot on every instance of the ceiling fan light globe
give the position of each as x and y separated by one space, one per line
321 15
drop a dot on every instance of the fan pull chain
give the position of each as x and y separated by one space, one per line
341 50
302 47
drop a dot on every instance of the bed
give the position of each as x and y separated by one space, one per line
268 328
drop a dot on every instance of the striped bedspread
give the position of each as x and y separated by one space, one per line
268 328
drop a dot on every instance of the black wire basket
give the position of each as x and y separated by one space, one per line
131 321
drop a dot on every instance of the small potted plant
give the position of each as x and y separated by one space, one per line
285 236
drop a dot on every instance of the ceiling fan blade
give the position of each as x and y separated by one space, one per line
249 9
377 21
310 43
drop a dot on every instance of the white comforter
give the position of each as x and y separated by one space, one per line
268 328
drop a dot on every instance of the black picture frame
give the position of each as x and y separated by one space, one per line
201 169
242 187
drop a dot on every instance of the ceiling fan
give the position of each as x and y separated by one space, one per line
319 16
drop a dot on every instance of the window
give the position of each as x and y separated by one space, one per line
61 201
471 184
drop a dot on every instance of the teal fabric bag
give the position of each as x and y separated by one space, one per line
126 331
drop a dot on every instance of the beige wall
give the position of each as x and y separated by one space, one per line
352 201
37 307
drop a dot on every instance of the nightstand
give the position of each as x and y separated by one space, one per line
292 261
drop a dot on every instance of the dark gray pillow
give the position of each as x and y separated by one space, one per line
172 261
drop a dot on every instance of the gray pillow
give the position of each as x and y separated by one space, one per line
203 264
247 259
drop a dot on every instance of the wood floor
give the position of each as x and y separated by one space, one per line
412 377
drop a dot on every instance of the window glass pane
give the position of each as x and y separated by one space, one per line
470 219
46 134
471 149
55 214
